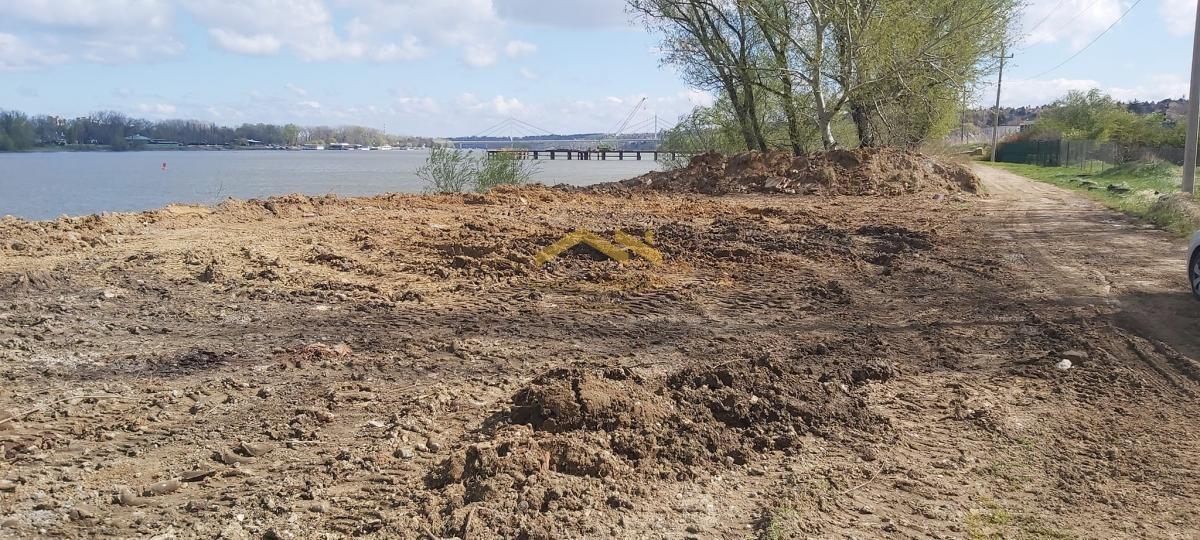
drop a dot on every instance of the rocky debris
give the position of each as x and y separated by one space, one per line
255 449
162 488
874 171
126 497
231 458
197 475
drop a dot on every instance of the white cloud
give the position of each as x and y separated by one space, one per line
309 104
1179 16
94 15
259 44
1040 92
158 110
528 74
305 28
507 107
1154 88
480 55
579 13
299 91
1074 22
46 32
517 48
700 98
417 106
15 54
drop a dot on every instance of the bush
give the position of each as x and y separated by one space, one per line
447 170
504 169
450 170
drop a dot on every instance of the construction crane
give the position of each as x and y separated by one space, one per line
612 137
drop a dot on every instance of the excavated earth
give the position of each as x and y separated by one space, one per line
826 366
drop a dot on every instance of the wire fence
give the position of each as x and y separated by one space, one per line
1084 154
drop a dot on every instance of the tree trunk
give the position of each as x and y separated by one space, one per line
861 114
760 142
824 118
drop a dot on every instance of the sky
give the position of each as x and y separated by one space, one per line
459 67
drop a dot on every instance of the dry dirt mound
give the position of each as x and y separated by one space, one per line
606 430
869 171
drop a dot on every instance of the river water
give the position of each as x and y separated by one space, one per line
45 185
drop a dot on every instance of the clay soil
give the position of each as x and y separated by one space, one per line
819 365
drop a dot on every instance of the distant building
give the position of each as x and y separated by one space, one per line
139 138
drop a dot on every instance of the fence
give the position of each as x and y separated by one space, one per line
1082 153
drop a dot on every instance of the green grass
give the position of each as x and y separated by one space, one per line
1146 180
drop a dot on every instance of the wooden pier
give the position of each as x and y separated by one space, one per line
586 155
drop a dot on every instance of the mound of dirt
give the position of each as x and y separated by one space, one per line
572 398
604 430
866 171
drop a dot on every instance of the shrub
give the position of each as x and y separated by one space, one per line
448 170
503 169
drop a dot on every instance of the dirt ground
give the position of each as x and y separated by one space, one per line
797 367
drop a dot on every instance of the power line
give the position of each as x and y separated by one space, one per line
1081 12
1092 42
1047 17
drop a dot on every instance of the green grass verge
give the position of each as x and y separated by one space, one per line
1139 189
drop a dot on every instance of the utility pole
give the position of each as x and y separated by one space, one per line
962 122
1189 151
996 121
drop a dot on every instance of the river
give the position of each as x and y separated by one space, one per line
45 185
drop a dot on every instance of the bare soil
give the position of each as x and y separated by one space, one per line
824 366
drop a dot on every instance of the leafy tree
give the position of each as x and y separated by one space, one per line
291 134
18 131
816 60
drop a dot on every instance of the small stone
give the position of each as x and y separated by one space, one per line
376 423
1075 356
404 452
265 392
230 458
82 512
433 445
1063 365
163 488
1112 453
256 449
8 485
127 498
197 475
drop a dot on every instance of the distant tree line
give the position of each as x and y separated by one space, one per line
19 131
1170 110
1096 116
800 74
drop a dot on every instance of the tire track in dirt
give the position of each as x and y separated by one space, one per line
1091 256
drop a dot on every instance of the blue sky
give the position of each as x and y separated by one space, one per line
456 67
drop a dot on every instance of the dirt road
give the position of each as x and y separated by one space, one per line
1089 255
827 367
